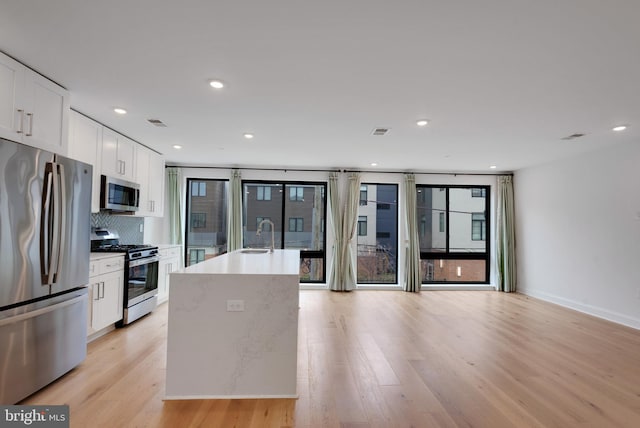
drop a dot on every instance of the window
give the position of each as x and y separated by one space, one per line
478 192
298 212
198 188
263 193
296 194
378 234
198 220
196 255
450 250
363 194
362 225
478 230
296 224
206 219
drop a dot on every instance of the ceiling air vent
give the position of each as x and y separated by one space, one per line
380 131
157 122
573 136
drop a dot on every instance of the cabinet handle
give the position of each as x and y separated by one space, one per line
124 168
30 115
102 297
21 121
97 296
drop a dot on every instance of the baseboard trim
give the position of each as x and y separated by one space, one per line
584 308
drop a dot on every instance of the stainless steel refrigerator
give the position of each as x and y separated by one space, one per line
45 204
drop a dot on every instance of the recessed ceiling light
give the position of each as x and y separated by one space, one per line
422 122
247 135
493 167
620 128
374 164
216 84
177 146
120 110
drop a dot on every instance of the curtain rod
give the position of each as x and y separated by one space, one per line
344 170
254 168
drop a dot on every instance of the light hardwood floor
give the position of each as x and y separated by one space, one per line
388 359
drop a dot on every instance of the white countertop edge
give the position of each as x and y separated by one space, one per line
100 256
226 397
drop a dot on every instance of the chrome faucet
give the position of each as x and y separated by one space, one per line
266 220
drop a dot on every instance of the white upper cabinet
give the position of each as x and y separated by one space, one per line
33 109
85 144
118 155
150 177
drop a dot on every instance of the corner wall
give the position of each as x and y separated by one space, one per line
578 233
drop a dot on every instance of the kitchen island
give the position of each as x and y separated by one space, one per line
233 327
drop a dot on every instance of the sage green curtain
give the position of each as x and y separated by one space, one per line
506 235
412 280
173 193
234 225
335 217
349 225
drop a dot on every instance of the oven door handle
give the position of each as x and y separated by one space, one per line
144 261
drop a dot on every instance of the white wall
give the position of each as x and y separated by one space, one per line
578 233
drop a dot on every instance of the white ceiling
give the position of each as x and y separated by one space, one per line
501 81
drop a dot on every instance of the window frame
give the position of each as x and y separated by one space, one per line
459 255
189 182
304 254
388 206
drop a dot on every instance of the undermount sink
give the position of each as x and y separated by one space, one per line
254 251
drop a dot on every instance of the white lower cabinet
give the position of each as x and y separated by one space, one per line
106 282
169 262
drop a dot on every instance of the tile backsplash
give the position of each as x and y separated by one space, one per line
128 227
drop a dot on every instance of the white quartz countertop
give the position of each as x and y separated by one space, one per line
100 256
280 262
165 246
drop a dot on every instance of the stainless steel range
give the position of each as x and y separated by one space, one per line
140 273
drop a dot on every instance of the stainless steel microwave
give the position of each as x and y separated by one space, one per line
119 195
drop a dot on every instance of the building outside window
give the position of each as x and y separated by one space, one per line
206 219
263 193
363 194
362 225
196 255
296 194
478 192
478 227
198 220
298 212
451 250
296 224
198 188
378 234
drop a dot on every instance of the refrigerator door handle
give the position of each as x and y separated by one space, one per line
61 220
46 220
55 226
